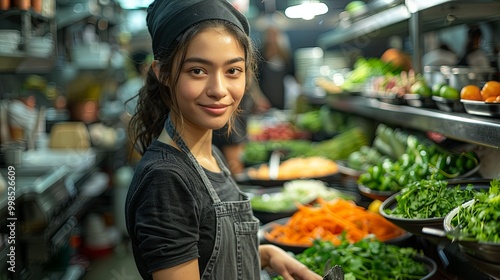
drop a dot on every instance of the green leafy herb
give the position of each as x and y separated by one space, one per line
481 220
429 199
365 259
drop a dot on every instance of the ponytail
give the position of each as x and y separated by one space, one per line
147 123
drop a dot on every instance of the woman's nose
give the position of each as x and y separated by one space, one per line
217 86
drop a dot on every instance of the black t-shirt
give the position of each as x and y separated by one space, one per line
169 213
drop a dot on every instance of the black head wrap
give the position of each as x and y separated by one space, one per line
167 19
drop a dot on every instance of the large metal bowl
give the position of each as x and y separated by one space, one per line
484 255
416 226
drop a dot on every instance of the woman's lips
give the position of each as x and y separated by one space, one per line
215 109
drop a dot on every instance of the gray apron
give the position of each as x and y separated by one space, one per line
236 239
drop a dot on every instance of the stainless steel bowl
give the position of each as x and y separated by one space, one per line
458 77
484 255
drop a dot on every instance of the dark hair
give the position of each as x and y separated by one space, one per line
157 99
138 59
473 36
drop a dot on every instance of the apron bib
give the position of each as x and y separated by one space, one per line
236 240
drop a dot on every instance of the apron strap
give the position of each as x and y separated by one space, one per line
169 127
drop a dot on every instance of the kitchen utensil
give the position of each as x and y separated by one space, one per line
335 273
274 164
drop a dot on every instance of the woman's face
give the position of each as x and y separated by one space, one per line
212 80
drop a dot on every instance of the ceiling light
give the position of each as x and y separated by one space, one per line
306 10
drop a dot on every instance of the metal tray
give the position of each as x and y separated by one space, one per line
448 105
416 100
481 108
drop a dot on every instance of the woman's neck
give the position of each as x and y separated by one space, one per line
199 144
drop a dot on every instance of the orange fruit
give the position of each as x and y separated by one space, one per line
490 89
471 92
490 99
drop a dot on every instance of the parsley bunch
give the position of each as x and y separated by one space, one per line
365 259
481 220
429 199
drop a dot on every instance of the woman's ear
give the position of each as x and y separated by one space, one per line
156 68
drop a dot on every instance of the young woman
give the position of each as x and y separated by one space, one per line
185 215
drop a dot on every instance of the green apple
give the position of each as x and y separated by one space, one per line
436 89
449 92
420 87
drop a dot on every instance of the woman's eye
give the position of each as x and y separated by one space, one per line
197 71
234 71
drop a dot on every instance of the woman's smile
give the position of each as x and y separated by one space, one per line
215 109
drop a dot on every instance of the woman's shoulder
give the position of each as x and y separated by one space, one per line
161 158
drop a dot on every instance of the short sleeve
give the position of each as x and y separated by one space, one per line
166 219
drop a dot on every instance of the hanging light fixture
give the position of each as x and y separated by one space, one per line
307 10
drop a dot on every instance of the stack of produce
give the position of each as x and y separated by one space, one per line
489 93
340 146
335 148
419 161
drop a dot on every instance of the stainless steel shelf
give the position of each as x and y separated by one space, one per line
434 15
464 127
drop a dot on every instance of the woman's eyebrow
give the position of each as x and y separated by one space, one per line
208 62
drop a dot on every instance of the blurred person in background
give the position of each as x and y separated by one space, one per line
443 55
128 91
474 56
275 65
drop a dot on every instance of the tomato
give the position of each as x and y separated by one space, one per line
490 89
471 92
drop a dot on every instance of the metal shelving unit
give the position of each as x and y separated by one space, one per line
28 23
464 127
414 18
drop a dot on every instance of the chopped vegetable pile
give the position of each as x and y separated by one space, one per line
301 191
429 199
365 259
329 221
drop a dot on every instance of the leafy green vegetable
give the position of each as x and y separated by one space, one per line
422 160
429 199
481 220
365 259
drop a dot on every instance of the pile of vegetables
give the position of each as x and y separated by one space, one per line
340 146
365 68
332 221
429 199
296 191
481 220
421 160
365 259
257 152
335 148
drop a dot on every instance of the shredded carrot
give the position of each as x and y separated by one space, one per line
328 220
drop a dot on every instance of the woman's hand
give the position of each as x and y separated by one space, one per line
284 264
